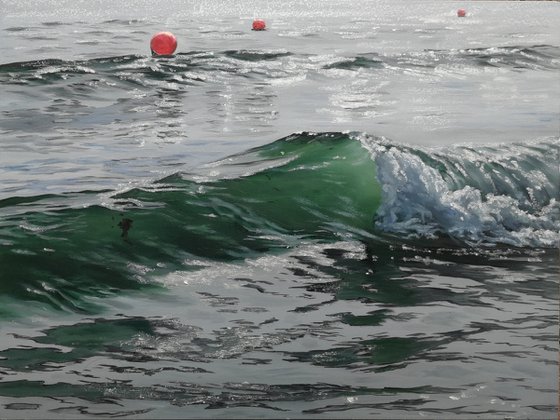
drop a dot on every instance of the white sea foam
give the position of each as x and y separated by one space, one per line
498 205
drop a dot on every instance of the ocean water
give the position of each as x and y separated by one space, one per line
353 214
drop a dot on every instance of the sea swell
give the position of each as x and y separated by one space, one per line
201 66
302 189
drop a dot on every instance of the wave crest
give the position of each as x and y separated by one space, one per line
505 194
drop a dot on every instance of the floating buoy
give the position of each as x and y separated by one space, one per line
259 25
461 13
163 43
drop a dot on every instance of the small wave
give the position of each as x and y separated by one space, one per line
255 55
360 61
120 22
55 23
538 57
17 29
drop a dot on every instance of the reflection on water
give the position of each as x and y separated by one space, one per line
413 317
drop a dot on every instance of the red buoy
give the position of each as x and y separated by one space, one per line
259 25
163 43
461 13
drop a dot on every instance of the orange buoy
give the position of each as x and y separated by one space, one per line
163 43
259 25
461 13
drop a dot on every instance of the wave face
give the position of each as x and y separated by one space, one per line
300 189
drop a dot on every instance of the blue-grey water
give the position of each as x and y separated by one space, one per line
353 214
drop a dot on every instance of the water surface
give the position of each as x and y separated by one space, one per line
354 214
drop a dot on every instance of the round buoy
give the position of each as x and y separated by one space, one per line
461 12
259 25
163 43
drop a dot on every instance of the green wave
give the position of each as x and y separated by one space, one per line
301 188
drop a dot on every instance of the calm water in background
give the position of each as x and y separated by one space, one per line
353 214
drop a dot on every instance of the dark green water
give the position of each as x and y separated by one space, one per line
304 188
